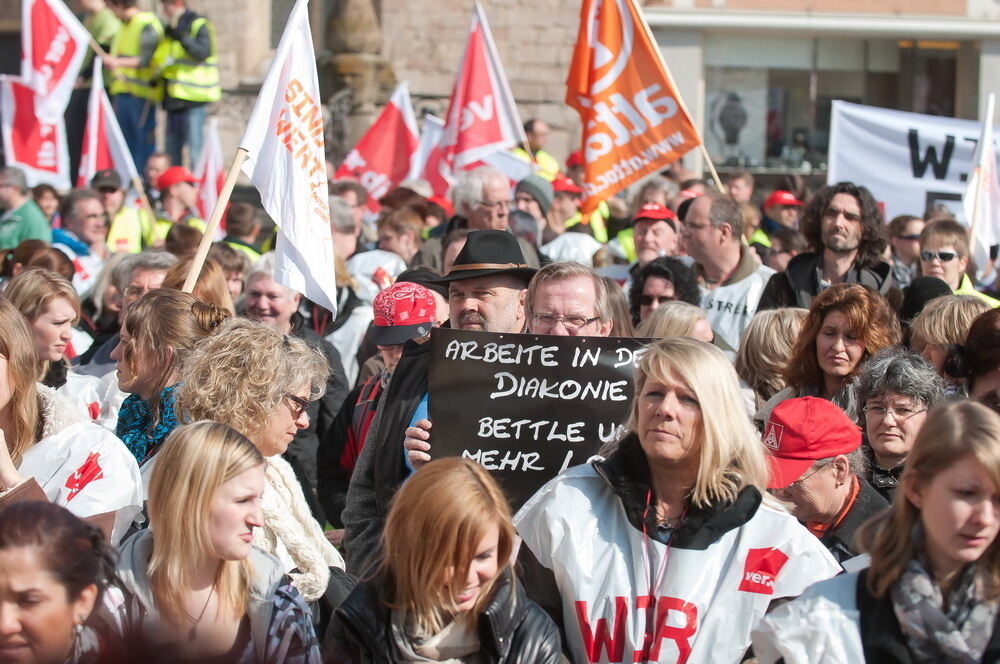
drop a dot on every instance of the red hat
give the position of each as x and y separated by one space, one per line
574 159
803 431
403 311
779 197
563 184
443 203
656 212
173 175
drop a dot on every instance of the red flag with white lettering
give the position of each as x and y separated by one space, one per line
104 145
482 115
210 171
37 148
381 159
53 46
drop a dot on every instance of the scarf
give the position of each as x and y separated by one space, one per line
456 643
135 423
957 634
289 524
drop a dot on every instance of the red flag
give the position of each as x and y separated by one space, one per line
37 148
53 46
381 159
482 116
104 145
634 121
210 171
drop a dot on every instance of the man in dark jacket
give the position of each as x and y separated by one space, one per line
487 288
844 225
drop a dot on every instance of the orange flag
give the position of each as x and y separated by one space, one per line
634 121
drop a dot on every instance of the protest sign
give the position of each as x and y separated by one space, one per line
909 161
527 406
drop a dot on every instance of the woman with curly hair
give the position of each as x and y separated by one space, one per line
846 325
259 382
661 280
160 331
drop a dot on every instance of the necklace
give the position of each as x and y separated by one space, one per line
194 627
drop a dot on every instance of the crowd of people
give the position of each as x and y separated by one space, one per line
809 472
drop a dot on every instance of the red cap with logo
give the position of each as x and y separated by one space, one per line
780 197
656 212
563 185
173 175
403 311
802 431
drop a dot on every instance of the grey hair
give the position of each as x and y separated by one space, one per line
262 266
656 183
341 218
725 210
15 176
857 462
471 187
569 270
901 371
151 259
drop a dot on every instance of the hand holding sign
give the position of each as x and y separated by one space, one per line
417 443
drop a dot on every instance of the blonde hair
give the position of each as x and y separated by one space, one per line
947 319
765 349
17 346
952 431
210 288
240 375
671 319
434 526
32 291
731 455
200 457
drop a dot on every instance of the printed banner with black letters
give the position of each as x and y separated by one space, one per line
909 161
527 406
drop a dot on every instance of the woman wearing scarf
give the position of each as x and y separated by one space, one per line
933 587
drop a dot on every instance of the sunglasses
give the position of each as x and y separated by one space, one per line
648 300
943 256
911 238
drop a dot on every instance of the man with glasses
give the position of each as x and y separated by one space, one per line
904 238
82 235
730 278
22 218
843 223
944 253
565 299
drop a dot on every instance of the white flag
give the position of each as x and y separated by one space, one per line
982 196
287 163
210 171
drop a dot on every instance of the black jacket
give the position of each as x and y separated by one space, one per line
882 638
840 540
799 283
512 629
380 468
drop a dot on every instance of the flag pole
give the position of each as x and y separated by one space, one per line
214 220
99 50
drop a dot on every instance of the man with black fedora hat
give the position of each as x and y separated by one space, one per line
486 288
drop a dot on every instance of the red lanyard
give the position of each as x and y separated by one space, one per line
645 552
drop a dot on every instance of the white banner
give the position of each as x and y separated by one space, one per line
908 160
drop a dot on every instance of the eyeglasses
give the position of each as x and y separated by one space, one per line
943 256
901 414
833 213
300 405
549 321
496 205
647 300
799 482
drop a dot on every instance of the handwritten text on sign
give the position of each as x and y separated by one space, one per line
527 406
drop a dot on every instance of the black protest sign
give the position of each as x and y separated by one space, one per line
527 406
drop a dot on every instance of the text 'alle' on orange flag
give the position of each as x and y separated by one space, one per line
634 122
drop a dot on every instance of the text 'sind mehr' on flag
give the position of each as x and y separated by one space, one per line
53 45
634 122
287 163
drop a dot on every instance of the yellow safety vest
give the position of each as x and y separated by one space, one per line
254 256
548 167
162 227
136 81
129 231
761 238
597 225
184 77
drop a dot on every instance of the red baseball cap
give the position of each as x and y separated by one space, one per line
656 212
802 431
574 159
779 197
173 175
403 311
444 203
563 184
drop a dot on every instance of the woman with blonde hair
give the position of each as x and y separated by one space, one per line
457 601
932 590
679 501
196 588
78 464
258 381
211 286
160 331
676 319
940 327
765 348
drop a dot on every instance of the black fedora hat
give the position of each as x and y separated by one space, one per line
489 253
